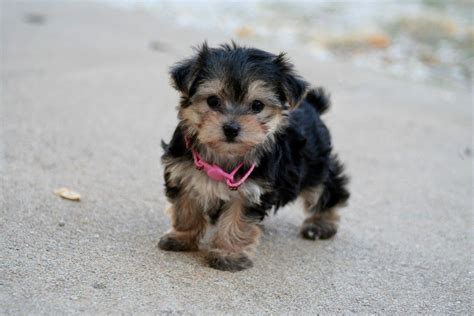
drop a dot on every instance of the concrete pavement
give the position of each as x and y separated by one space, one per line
85 101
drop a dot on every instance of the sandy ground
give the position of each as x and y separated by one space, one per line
85 102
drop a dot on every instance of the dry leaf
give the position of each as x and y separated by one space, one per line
245 31
379 40
67 194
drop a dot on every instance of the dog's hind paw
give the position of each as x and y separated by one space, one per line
318 230
232 262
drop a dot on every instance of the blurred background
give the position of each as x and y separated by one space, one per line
423 40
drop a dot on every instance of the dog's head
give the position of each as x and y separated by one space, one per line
233 98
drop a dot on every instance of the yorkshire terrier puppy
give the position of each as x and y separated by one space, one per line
250 138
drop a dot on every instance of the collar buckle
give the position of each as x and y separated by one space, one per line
216 173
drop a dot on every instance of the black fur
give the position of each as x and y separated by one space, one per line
318 230
241 65
239 263
289 143
172 244
172 191
319 99
215 213
301 158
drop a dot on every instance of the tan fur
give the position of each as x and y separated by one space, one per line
206 192
326 218
193 115
210 132
189 224
274 121
258 90
329 216
201 195
235 235
208 88
253 131
255 128
311 198
221 121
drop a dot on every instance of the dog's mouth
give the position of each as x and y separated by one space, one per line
234 147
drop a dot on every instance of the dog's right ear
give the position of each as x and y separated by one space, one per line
184 73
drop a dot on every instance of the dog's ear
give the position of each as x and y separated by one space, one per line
185 72
293 86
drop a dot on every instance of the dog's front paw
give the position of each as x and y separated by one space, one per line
318 230
228 262
169 242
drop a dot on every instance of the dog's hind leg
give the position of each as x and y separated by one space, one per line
322 202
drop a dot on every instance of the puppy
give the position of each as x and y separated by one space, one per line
249 139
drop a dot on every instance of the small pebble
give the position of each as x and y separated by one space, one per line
35 18
99 286
467 151
158 46
61 224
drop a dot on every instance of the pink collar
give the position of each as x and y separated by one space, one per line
216 173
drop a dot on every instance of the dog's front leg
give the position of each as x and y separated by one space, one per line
235 241
189 225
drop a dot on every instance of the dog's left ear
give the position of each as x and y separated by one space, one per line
185 72
294 87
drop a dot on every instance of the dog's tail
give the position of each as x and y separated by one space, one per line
319 99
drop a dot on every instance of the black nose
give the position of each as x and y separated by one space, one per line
231 130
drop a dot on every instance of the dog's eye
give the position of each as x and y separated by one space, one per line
213 102
257 106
